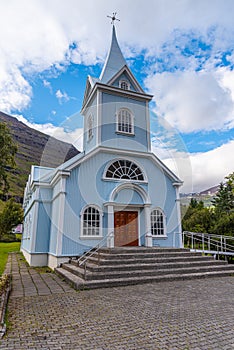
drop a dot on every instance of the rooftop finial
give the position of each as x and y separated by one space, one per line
113 18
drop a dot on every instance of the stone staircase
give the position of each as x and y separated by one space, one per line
135 265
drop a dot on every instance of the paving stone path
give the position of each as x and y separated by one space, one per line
45 313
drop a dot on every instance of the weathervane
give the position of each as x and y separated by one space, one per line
113 18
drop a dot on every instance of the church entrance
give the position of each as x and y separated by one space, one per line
126 228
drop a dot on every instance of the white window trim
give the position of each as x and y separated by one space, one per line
126 82
164 224
100 236
132 122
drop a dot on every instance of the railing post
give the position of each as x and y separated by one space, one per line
203 243
221 243
192 241
98 257
85 268
208 242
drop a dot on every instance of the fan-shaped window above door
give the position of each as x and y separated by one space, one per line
124 169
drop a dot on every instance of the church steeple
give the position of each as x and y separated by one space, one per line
115 60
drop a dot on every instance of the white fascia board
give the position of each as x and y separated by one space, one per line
115 151
121 71
149 155
127 93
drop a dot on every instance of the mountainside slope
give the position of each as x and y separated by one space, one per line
34 148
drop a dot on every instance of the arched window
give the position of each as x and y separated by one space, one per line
124 84
124 169
91 220
90 127
157 219
124 123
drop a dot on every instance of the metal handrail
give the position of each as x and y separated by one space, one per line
210 240
84 257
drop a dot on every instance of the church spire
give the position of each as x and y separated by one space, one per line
115 60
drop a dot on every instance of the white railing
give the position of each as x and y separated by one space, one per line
106 241
208 243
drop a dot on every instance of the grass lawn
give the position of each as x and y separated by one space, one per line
6 248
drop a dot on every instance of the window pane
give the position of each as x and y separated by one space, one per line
157 222
91 222
124 169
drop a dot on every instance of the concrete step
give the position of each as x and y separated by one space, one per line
151 266
79 284
142 255
145 259
105 274
138 250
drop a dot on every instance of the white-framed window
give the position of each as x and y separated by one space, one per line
157 220
124 84
90 127
91 220
125 121
124 169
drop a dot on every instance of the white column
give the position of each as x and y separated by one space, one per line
179 216
62 199
148 234
110 230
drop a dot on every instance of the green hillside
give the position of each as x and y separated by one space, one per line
34 148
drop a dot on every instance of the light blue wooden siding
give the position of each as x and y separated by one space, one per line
110 105
43 228
92 110
54 225
128 196
28 230
125 77
86 186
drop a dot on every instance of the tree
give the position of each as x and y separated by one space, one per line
11 216
8 150
224 200
197 218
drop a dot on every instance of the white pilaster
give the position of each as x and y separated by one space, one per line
110 231
148 235
179 216
62 198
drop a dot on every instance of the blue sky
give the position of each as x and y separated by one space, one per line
182 52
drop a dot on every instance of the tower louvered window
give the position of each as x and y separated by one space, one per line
157 223
124 169
125 121
123 84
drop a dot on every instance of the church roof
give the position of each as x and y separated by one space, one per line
114 62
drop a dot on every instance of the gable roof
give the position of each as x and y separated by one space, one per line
114 62
125 69
90 82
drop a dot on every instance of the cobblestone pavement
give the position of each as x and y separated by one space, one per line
44 313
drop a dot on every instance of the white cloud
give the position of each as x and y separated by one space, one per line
194 101
41 34
62 96
211 167
74 137
200 171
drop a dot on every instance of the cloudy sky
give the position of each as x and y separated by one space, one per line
181 51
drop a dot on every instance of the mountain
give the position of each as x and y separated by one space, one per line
210 191
34 148
205 196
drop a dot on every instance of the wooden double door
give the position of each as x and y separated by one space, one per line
126 228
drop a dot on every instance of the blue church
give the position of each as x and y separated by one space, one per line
116 192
